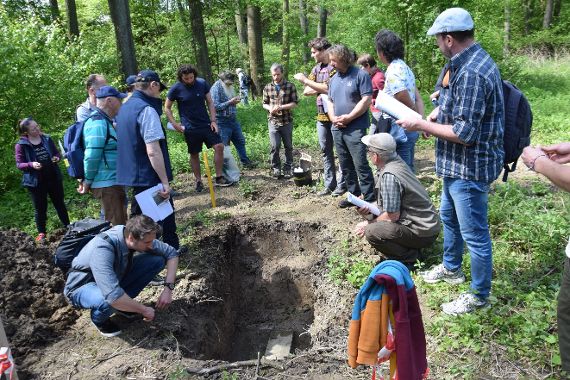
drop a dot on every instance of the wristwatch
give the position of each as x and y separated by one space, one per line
169 285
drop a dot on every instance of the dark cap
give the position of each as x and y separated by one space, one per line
106 91
131 80
150 76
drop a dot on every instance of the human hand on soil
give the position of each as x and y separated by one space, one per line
165 299
148 314
360 229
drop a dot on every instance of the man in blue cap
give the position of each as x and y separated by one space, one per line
100 161
143 159
468 125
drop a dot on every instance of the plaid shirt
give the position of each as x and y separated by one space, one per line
287 94
322 73
389 192
473 105
221 101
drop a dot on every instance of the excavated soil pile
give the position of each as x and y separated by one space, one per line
33 309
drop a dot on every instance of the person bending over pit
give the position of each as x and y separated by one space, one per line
113 268
408 220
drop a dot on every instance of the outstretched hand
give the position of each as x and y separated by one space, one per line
559 153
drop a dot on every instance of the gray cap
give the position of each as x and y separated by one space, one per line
451 20
380 141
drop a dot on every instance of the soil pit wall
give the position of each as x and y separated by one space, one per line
261 284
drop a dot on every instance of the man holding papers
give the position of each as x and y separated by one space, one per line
468 125
407 220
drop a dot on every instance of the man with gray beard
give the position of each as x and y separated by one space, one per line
225 101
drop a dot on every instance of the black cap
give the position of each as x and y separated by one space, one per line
150 76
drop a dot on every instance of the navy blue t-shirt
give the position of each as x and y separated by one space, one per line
346 90
192 106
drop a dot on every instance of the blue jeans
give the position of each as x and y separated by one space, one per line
230 130
326 143
463 212
406 150
243 92
143 269
353 162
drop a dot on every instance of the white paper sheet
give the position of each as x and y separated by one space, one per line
147 201
394 108
360 203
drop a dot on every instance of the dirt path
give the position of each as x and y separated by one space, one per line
257 267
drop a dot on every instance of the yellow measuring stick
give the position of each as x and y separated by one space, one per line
210 182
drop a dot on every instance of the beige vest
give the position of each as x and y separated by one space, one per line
416 210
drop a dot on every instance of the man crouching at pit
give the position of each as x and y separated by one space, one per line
408 220
113 268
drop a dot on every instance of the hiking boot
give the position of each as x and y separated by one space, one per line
345 204
108 329
440 273
129 315
338 192
222 182
287 173
324 192
276 173
157 280
41 238
199 187
465 303
248 165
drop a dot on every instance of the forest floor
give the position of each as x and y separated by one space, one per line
256 268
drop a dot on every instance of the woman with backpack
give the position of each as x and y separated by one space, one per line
37 157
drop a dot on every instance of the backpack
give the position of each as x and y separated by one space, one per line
77 236
518 124
74 150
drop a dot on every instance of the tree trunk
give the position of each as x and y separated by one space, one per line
121 16
547 21
507 37
216 50
199 39
322 26
241 27
54 8
527 15
256 65
557 9
304 29
285 42
72 24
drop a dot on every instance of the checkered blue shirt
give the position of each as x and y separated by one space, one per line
473 105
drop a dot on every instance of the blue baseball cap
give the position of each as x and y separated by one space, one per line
131 80
106 91
451 20
150 76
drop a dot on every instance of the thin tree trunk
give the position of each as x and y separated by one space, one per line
547 21
72 24
241 26
54 8
256 65
322 26
304 29
216 49
557 9
527 15
285 42
507 37
199 38
121 16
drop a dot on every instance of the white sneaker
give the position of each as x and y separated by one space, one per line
465 303
440 273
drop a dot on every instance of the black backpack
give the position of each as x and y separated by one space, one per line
518 124
76 237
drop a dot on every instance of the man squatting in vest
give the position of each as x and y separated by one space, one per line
469 127
408 220
142 153
113 268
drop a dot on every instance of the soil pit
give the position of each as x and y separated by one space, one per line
261 286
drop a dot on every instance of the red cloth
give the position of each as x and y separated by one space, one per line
378 79
410 335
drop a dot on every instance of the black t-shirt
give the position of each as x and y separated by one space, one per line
47 172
